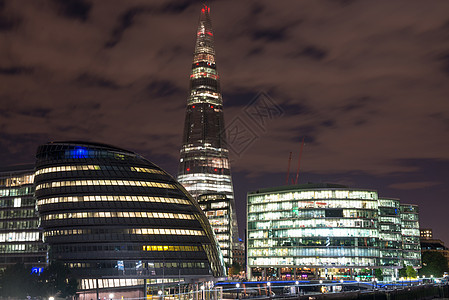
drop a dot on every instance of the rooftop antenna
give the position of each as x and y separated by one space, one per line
288 168
299 160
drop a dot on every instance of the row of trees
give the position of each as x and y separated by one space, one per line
18 281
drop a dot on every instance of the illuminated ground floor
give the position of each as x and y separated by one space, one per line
304 273
138 288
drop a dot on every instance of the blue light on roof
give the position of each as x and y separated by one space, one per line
78 153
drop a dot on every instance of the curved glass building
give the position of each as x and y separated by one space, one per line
117 219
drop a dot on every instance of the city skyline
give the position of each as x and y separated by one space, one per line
364 83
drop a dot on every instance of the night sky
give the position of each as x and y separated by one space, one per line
365 83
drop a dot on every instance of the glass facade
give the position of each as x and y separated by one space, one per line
204 164
217 208
110 213
20 238
390 235
410 235
321 230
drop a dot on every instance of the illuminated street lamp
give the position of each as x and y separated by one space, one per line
238 289
321 286
202 292
296 286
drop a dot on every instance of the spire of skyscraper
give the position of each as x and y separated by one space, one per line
204 168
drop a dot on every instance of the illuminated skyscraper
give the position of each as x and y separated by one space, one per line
204 163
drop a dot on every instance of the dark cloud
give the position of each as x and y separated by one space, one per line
8 20
255 51
257 8
162 88
74 9
356 104
413 185
16 70
328 123
444 58
176 7
270 34
37 112
343 2
91 80
442 118
314 52
125 21
238 99
296 109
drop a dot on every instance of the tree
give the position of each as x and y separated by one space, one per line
411 272
433 263
57 280
378 274
235 269
17 281
403 271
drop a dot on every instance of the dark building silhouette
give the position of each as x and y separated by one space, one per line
204 165
118 220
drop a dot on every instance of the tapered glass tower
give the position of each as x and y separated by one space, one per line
204 164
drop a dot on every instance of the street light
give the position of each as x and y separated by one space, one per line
111 296
321 286
202 292
296 287
237 285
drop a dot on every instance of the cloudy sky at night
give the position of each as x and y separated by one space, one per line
365 83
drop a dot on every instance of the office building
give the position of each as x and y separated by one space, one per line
324 231
117 220
411 247
390 236
20 237
204 164
217 208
